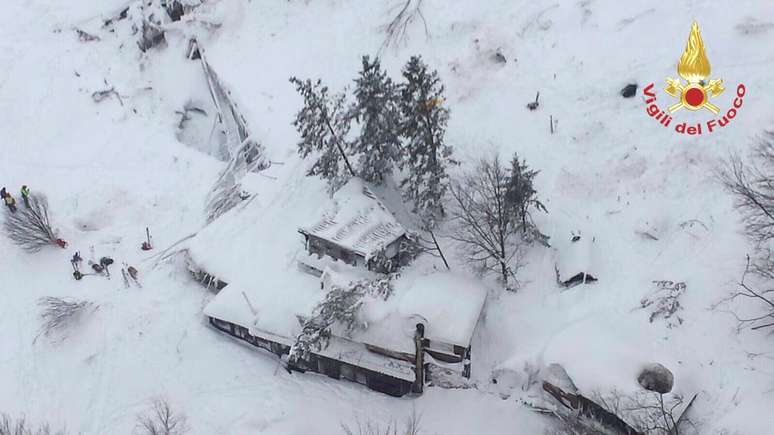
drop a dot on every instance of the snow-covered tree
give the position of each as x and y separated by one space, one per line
338 310
522 196
323 125
340 306
376 110
425 155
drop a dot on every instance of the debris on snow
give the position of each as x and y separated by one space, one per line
665 302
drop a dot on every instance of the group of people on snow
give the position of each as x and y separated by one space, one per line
10 201
101 268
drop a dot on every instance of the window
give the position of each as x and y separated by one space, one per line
348 372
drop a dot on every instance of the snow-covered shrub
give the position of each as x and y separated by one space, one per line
30 227
664 302
60 313
162 420
20 426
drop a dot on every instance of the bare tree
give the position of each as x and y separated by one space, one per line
20 426
411 426
30 227
764 318
161 419
59 313
752 185
650 412
486 224
397 28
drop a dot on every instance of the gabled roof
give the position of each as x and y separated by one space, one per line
356 220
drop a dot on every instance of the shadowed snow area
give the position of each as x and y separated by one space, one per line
112 168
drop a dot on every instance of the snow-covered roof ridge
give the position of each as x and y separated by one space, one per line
357 220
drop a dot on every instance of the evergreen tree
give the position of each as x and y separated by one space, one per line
376 110
323 124
521 197
425 154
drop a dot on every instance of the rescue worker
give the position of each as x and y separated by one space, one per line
76 261
10 202
25 194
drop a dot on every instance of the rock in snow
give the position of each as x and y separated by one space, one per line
656 377
629 90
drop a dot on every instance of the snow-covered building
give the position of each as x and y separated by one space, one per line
356 229
425 327
574 260
421 331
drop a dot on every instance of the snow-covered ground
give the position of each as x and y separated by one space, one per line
111 169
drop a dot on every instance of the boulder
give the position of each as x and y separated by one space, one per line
656 377
629 90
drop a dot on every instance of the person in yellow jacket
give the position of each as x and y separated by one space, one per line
25 194
10 202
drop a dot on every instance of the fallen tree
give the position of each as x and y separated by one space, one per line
30 227
583 407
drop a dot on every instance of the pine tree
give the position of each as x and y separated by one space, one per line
521 197
425 154
376 110
323 125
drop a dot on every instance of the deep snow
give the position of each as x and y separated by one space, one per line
111 170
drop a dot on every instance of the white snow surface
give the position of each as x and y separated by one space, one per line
574 257
111 169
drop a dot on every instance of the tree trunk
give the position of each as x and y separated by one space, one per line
443 257
338 145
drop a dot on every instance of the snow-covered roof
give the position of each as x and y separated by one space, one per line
255 250
356 220
575 253
448 304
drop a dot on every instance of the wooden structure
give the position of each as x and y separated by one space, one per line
357 230
396 355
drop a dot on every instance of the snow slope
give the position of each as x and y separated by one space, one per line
110 170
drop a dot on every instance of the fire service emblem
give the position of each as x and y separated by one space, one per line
693 89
